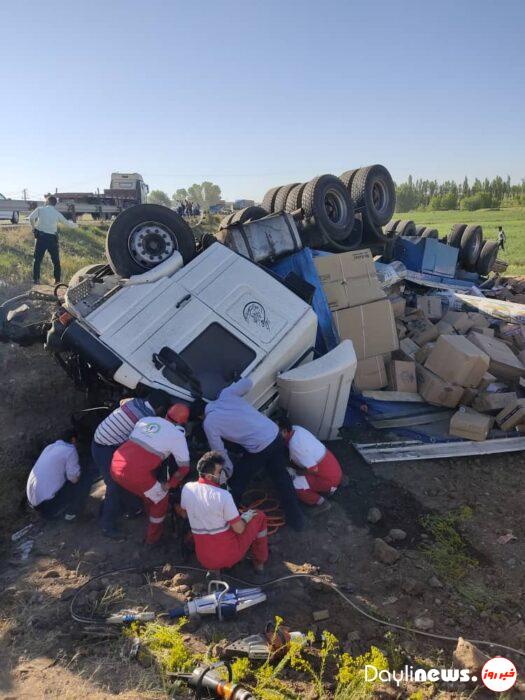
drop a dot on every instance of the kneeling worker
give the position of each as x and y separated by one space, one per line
135 463
222 536
317 470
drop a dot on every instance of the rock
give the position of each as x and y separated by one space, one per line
424 623
435 582
412 586
466 655
397 534
384 553
374 515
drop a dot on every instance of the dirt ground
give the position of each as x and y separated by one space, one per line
45 654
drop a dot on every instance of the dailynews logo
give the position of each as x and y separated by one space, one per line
498 674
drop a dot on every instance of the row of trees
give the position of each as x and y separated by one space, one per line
206 194
429 194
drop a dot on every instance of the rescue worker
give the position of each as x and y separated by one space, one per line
317 471
57 485
110 434
222 536
502 238
231 417
135 463
44 222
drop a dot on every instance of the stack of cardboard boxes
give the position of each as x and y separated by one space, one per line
451 359
361 312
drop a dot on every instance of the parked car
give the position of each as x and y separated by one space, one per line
12 216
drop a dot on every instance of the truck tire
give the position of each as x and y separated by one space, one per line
419 229
226 220
454 237
282 196
470 246
327 204
430 233
373 190
406 228
145 235
487 258
269 199
347 178
248 214
295 197
15 218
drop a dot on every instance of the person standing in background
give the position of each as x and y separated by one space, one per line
44 222
502 238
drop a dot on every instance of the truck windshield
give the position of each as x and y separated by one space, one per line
217 358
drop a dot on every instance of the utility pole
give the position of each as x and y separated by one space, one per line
24 194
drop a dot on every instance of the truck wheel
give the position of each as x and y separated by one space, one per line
373 190
391 228
249 214
430 233
470 246
406 228
487 258
347 178
16 217
295 198
454 237
145 235
328 205
419 229
282 196
269 199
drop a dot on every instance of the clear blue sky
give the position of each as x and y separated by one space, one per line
256 93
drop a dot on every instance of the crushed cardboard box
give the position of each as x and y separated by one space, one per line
349 279
469 424
370 373
503 362
458 361
445 328
460 320
430 306
435 390
422 331
371 328
407 350
512 415
493 402
403 376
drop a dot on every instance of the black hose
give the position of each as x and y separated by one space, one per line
315 577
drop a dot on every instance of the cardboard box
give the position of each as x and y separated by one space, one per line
486 402
422 354
511 415
403 376
370 373
435 390
398 305
422 331
349 279
407 349
469 424
460 320
430 306
401 329
457 360
445 328
480 321
371 328
486 331
503 362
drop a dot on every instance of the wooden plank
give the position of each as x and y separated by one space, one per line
374 453
393 396
409 420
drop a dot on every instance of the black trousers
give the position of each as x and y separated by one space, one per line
46 242
70 498
274 460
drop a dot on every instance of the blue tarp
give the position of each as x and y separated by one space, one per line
303 265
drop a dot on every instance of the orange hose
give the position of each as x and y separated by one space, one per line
269 506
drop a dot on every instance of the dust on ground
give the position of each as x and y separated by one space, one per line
46 654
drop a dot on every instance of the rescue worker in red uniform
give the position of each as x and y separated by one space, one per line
222 536
316 469
135 463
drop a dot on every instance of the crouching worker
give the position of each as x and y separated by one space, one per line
57 485
317 471
222 536
135 463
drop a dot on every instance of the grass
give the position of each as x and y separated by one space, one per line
512 220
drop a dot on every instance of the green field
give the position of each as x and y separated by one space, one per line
512 220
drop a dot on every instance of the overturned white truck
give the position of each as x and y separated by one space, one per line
190 319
